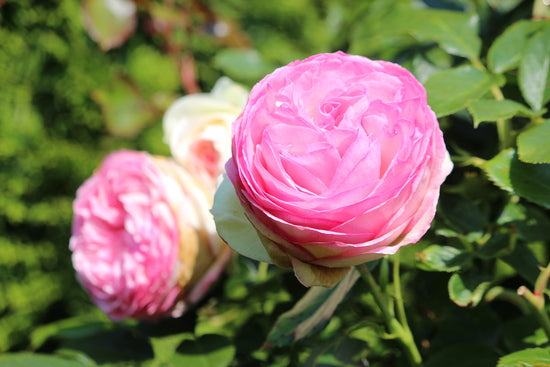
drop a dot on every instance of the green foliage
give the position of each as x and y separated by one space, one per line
64 104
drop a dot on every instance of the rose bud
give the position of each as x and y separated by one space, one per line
337 160
197 127
143 243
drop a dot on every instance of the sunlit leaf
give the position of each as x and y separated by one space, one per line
455 32
442 258
532 181
491 110
534 70
109 22
533 357
533 144
506 51
451 90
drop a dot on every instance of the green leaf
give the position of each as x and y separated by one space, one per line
451 90
164 347
311 313
442 258
75 327
531 181
523 332
244 65
462 215
455 32
110 26
506 51
462 355
524 262
534 70
467 289
533 144
496 246
492 110
233 226
124 108
533 357
34 360
205 351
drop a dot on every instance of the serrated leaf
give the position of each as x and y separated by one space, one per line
125 110
491 110
34 360
109 22
454 31
534 70
531 181
453 89
205 351
506 51
442 258
311 313
233 226
533 144
467 289
533 357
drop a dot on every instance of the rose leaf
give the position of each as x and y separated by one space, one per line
531 181
531 357
534 70
533 144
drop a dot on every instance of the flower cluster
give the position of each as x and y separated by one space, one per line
334 161
144 243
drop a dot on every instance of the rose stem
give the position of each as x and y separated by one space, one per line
504 127
536 299
403 334
262 270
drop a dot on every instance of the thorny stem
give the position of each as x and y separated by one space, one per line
402 333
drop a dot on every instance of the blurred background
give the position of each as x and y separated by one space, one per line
79 79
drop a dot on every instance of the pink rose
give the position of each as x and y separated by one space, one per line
144 243
337 160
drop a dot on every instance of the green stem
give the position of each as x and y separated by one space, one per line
262 270
401 315
504 126
537 304
403 334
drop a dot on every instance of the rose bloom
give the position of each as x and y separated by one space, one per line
337 160
197 127
144 243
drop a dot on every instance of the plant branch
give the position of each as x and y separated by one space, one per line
403 334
